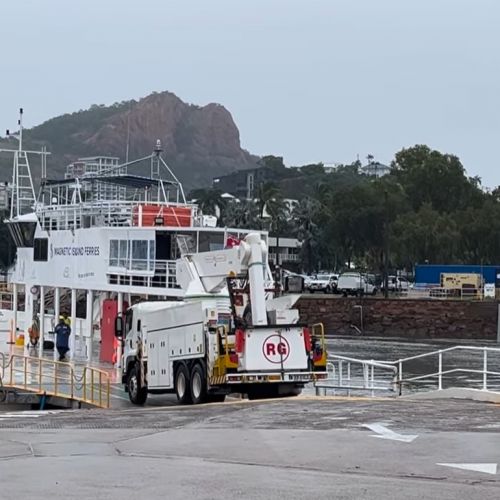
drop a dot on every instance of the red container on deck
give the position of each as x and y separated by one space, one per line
162 215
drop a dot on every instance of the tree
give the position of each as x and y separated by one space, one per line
242 214
209 201
305 216
424 236
279 216
274 162
265 193
430 177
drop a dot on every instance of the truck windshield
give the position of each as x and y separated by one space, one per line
128 321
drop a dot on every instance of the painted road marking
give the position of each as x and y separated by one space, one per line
29 414
382 432
486 468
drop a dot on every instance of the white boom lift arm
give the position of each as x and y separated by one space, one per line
206 273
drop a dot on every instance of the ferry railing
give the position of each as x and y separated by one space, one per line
105 212
55 378
489 378
156 274
357 375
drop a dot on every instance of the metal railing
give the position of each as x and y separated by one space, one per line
480 370
489 379
161 273
114 213
54 378
357 375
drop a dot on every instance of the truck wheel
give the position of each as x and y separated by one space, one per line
136 393
182 389
198 385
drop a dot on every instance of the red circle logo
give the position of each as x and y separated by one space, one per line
276 349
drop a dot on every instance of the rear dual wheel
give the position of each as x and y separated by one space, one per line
182 385
191 386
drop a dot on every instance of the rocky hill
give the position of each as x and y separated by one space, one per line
199 142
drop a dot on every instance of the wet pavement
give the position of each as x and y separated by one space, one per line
297 448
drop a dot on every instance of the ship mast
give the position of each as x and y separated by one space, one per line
23 192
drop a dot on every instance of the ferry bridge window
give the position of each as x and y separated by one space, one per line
28 232
113 253
123 253
152 251
209 241
139 255
40 250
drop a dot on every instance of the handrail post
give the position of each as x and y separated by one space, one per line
485 370
400 377
108 392
340 373
56 364
440 371
372 377
100 389
25 372
40 374
85 383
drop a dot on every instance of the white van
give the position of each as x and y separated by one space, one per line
355 284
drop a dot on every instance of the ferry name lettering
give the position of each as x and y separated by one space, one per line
80 251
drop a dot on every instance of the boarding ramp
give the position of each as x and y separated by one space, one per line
458 367
54 381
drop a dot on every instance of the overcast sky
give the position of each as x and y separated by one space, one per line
311 80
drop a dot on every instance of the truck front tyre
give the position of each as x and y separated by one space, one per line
136 393
198 384
182 385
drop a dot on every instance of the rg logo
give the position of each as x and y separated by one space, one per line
276 349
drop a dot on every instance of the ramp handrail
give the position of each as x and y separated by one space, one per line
352 374
484 371
55 378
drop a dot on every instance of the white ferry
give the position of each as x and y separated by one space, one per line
103 236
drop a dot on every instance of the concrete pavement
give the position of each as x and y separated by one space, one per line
295 449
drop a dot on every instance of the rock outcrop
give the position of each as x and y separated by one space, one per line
199 142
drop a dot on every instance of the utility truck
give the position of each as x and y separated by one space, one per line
229 334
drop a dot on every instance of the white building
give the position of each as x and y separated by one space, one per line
376 169
289 250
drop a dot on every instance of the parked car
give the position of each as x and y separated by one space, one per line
397 284
326 283
355 284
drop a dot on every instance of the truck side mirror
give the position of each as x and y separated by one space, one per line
119 326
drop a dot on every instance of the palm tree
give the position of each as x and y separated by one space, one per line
279 217
305 216
209 201
241 214
265 193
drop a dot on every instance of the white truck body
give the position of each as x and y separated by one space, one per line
355 284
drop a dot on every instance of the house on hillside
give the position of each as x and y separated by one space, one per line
376 169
